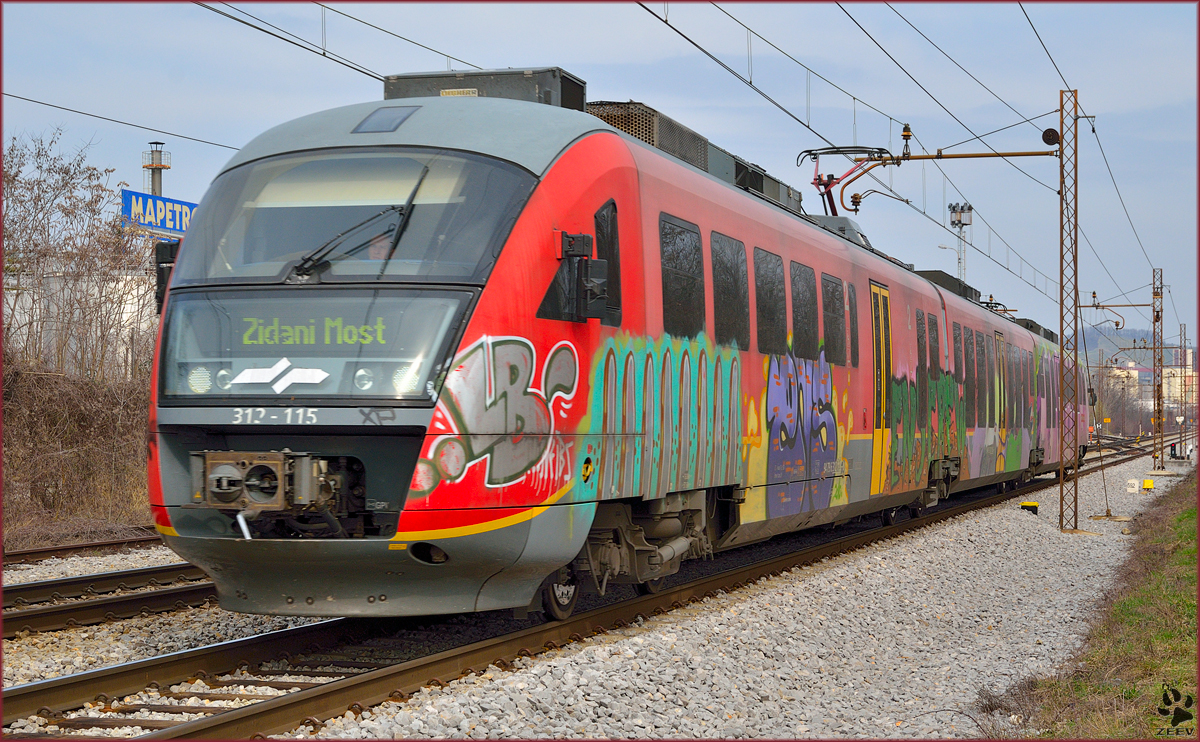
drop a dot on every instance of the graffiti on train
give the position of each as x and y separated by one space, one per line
501 413
805 441
663 415
925 421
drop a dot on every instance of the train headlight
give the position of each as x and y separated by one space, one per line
364 379
405 378
200 380
224 378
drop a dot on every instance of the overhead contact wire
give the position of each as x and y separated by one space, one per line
871 175
1067 85
935 100
123 123
398 36
315 50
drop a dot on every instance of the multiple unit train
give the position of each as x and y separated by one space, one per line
454 354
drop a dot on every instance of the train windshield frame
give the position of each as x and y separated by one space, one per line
260 220
322 345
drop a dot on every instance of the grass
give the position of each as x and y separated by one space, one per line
1143 638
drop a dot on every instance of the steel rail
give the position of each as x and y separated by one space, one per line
397 682
26 593
98 610
23 556
73 691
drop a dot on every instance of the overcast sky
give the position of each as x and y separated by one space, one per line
185 69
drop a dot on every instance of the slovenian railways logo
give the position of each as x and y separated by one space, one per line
293 376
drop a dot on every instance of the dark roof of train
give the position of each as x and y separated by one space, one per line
529 134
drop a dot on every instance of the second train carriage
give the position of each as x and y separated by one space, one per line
451 354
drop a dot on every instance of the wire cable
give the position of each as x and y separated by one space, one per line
940 105
1002 128
398 36
964 69
123 123
871 175
324 51
319 52
935 46
1051 57
1096 135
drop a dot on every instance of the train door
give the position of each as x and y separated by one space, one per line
1001 403
881 323
1002 363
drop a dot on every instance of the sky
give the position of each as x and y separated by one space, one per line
185 69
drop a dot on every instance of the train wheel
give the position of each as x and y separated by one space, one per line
560 594
916 510
650 587
890 516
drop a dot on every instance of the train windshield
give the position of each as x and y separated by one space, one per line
347 343
260 221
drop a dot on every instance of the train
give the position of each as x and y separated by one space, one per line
453 351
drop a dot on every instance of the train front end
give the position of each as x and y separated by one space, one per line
312 317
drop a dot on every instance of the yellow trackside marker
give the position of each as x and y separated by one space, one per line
397 547
1030 506
1147 484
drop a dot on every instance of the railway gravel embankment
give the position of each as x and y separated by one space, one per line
891 641
74 566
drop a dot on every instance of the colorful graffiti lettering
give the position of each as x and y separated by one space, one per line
803 435
498 415
920 434
660 416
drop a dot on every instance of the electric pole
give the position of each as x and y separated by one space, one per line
1068 299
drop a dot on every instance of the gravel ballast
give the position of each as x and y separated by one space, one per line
51 654
57 568
893 640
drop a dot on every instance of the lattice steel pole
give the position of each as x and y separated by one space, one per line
1158 368
1068 299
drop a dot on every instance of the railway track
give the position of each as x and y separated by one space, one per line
337 679
24 556
49 605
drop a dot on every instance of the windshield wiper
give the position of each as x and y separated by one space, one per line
405 215
311 259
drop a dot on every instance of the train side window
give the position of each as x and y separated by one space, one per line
968 374
852 298
833 309
806 340
682 277
981 409
958 358
922 365
608 248
770 302
935 350
731 293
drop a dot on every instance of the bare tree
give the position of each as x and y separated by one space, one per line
79 326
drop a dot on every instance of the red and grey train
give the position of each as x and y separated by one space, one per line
452 354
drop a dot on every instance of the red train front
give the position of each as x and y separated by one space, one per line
449 354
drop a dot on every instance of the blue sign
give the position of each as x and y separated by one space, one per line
158 214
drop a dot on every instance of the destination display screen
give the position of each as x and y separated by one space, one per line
308 342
